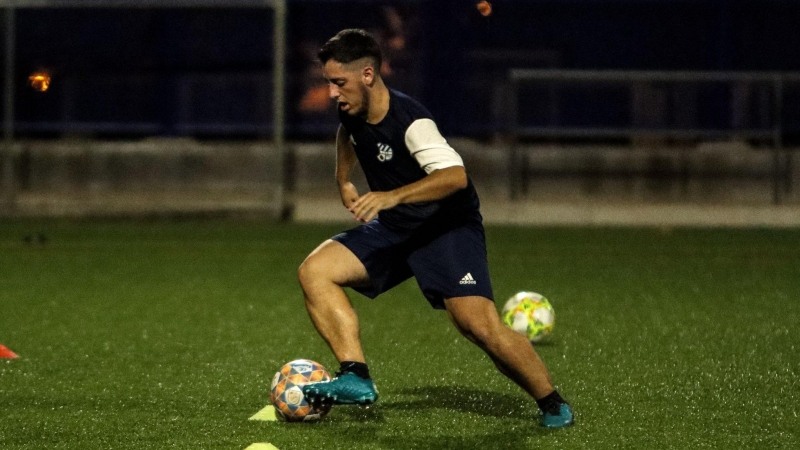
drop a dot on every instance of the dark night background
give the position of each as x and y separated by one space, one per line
207 72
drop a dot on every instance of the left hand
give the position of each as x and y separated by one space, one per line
368 205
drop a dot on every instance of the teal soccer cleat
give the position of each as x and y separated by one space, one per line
346 389
563 418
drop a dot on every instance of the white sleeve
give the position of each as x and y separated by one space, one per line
429 148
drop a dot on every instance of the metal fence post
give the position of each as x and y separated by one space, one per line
777 142
8 186
286 206
514 172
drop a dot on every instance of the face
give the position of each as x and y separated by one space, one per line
347 84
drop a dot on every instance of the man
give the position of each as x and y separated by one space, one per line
420 219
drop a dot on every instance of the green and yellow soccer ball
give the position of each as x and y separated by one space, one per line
531 314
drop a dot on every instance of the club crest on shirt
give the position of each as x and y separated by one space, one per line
384 152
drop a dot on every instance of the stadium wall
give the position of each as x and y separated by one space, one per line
153 177
724 183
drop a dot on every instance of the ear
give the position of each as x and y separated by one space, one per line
368 75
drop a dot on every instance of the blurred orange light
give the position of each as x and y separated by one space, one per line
40 81
485 8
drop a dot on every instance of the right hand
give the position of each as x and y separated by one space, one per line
349 194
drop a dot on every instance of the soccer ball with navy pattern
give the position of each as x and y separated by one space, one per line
286 393
531 314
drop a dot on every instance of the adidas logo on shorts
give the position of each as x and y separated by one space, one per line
468 279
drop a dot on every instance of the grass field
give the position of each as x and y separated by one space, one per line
166 335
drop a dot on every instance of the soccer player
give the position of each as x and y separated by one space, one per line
420 219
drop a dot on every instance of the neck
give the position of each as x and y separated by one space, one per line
379 103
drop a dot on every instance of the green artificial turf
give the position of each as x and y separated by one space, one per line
166 335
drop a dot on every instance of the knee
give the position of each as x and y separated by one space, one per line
309 271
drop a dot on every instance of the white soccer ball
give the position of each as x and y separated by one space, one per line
530 314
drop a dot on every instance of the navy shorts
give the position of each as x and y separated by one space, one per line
447 262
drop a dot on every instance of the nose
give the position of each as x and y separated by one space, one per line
333 91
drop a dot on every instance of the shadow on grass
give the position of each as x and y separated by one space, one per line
428 417
519 429
361 414
467 400
512 438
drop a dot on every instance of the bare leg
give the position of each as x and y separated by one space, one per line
322 275
477 319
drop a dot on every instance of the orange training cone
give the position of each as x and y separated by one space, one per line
6 353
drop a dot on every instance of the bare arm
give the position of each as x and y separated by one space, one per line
345 161
435 186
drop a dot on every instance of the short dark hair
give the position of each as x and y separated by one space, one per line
351 45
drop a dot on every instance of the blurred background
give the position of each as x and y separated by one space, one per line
565 111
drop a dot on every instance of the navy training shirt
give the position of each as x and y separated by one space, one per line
388 163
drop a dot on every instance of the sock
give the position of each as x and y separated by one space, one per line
357 368
551 402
